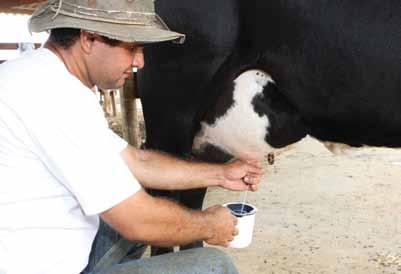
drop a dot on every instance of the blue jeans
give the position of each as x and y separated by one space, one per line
111 254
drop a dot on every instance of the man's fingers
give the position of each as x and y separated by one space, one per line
251 180
255 163
255 169
235 221
253 187
251 183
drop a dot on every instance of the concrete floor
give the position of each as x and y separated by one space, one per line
321 213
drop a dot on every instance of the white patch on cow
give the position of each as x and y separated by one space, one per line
241 131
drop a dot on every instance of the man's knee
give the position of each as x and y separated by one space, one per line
216 258
195 261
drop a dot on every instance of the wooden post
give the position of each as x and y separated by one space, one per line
113 102
129 113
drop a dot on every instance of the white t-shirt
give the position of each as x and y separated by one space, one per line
59 167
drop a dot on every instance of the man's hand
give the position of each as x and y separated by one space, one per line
221 224
240 175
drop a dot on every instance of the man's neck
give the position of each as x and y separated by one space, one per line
72 61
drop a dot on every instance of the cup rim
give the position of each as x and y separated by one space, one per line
254 208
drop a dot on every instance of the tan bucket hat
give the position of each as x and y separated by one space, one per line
124 20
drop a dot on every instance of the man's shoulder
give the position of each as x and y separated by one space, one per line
29 68
39 72
36 80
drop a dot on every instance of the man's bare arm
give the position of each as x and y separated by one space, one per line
161 171
164 223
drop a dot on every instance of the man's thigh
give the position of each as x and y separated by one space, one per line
109 249
194 261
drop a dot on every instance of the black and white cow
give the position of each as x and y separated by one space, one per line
257 74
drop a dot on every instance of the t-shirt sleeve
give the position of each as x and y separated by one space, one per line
84 155
119 143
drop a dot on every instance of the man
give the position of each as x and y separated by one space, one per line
61 167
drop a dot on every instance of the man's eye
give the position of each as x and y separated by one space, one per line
135 48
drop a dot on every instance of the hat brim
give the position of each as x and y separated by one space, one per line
123 32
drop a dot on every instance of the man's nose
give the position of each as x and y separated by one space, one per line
138 60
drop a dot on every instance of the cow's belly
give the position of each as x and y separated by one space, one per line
238 129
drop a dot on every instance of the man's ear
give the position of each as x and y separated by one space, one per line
86 41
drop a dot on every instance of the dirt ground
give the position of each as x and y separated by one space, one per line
322 213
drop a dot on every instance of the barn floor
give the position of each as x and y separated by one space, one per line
321 213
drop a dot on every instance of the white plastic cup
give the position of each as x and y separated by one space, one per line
246 222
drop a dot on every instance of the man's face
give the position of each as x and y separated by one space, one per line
109 66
